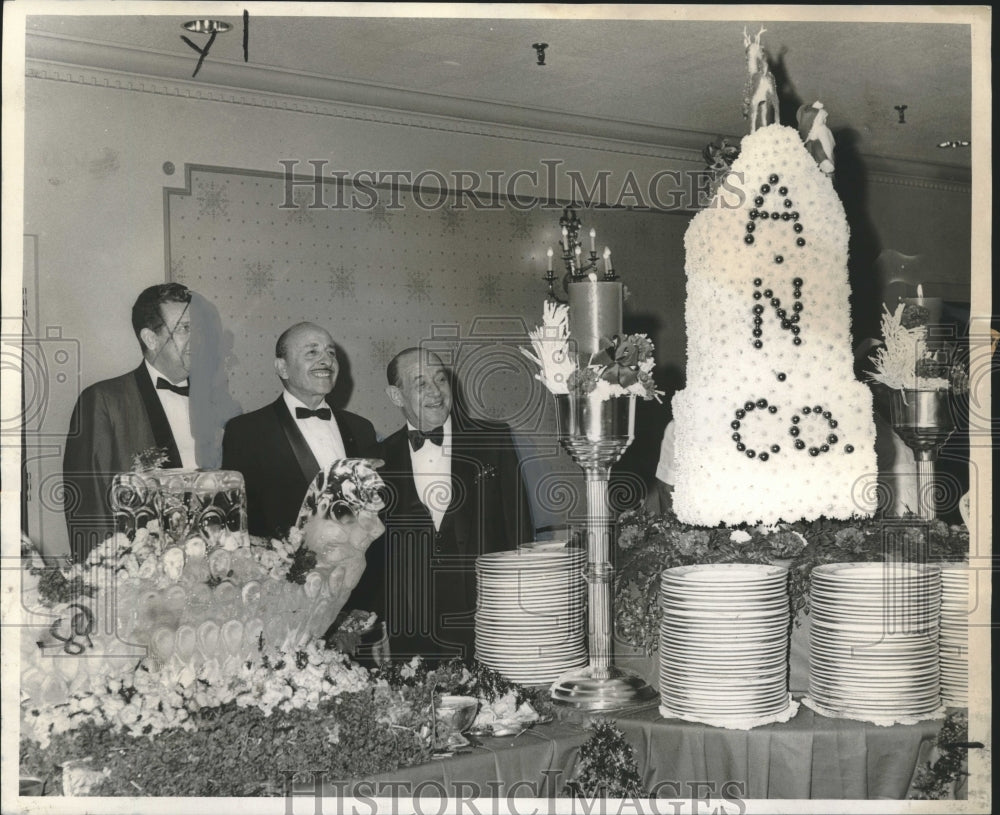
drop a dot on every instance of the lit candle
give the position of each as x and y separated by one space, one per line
920 292
565 240
593 237
549 254
607 261
577 250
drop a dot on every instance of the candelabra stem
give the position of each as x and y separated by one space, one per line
599 573
595 433
925 489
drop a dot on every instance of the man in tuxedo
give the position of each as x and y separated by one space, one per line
455 492
282 446
118 419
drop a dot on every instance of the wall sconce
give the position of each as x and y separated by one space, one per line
540 51
207 26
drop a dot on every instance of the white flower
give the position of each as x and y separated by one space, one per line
230 541
195 547
739 536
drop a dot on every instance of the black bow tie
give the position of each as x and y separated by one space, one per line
166 385
417 438
320 413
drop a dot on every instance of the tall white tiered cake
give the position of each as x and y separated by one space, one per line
772 424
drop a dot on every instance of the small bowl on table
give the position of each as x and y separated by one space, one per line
457 713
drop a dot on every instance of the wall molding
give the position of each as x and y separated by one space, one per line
73 60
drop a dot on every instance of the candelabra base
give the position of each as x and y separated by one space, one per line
582 691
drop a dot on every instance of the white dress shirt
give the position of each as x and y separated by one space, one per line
667 465
323 437
432 473
178 412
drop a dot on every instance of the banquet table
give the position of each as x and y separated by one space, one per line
810 756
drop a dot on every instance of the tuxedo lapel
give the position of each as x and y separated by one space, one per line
351 449
399 473
462 516
300 449
158 423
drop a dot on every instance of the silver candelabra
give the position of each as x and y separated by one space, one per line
595 433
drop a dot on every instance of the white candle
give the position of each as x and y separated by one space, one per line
549 253
920 292
593 237
565 240
607 261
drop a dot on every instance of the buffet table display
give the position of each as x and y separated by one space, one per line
953 639
874 641
808 757
724 645
530 621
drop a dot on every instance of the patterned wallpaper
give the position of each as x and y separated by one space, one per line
398 267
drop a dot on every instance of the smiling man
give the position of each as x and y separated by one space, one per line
281 447
456 493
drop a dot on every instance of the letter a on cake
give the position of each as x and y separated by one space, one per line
772 425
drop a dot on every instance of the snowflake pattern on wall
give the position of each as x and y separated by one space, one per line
258 278
450 219
302 199
177 269
379 216
212 199
520 224
342 281
382 351
418 285
489 288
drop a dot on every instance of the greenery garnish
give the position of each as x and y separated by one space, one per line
648 544
607 767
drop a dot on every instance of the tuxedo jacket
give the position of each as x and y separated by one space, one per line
422 582
268 448
112 422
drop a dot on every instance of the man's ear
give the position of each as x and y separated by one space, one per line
149 339
395 395
281 368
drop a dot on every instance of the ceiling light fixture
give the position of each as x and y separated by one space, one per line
207 26
953 144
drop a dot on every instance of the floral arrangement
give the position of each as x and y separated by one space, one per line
905 361
719 156
937 778
152 458
332 716
648 544
623 366
607 767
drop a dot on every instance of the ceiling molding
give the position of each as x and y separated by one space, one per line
79 61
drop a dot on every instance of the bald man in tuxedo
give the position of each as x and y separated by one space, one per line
281 447
455 492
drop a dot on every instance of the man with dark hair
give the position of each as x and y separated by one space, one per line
456 492
282 446
117 419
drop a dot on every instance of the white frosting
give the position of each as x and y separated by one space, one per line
715 482
867 716
736 722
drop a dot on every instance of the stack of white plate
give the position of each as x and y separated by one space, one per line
530 619
724 643
873 645
953 644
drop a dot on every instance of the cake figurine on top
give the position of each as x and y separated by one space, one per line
772 424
